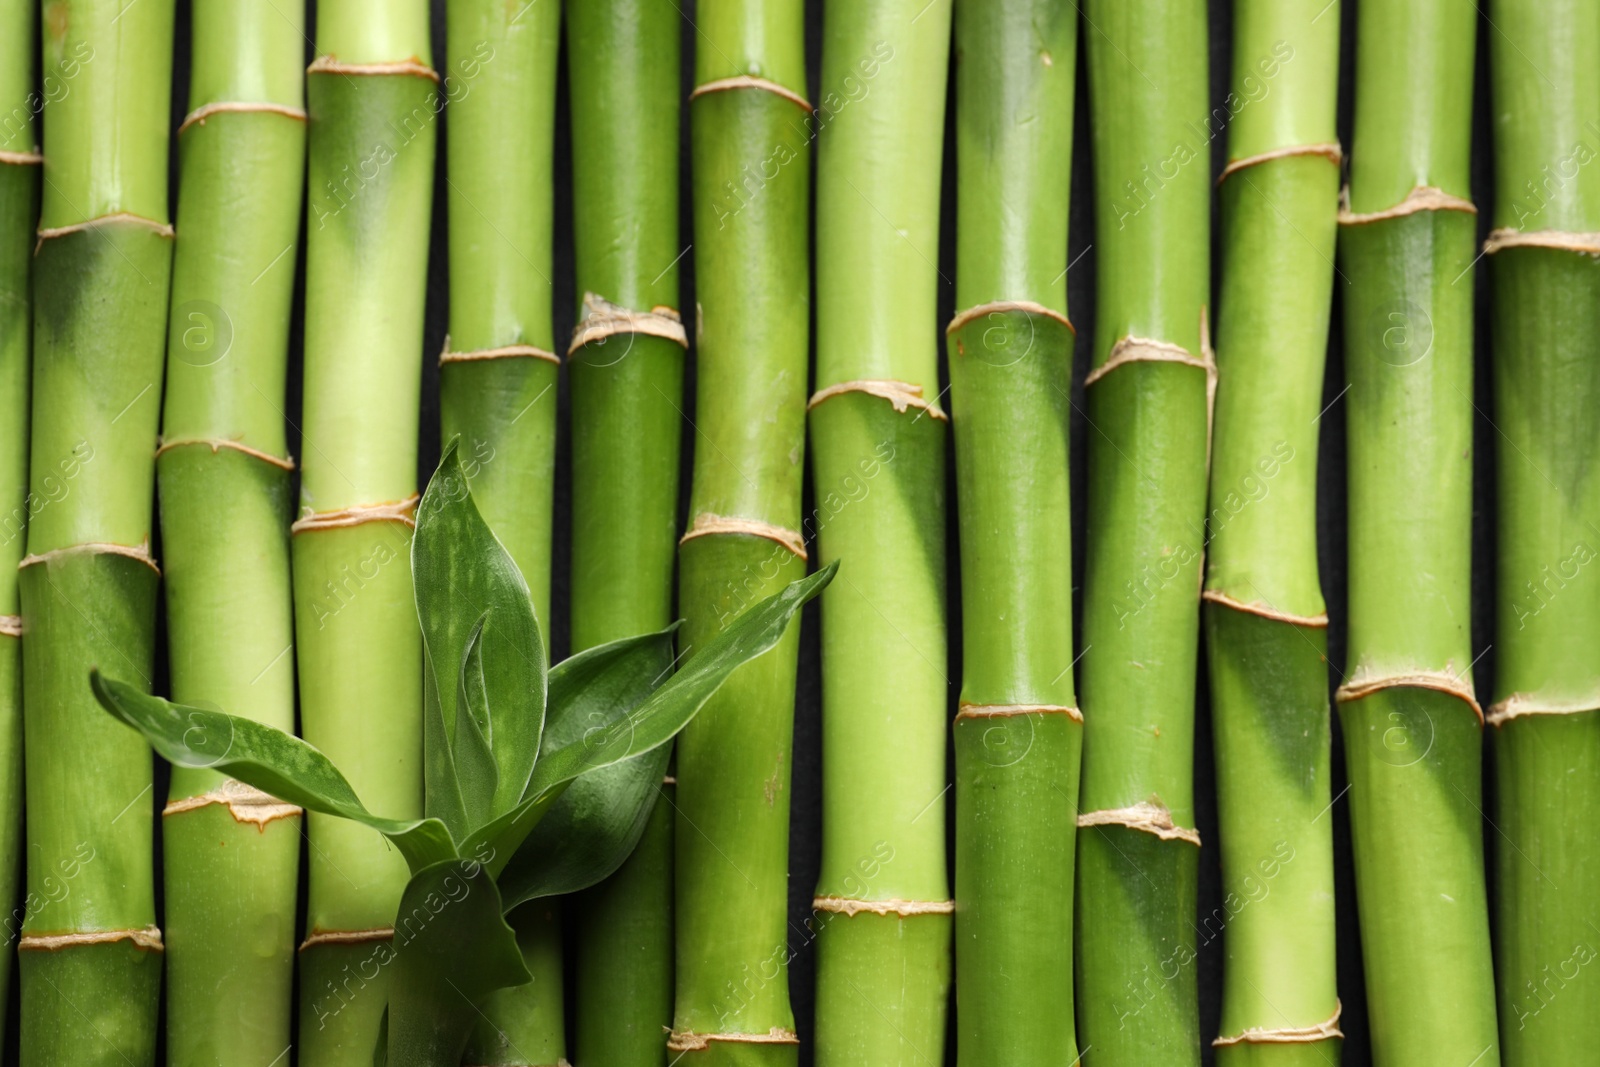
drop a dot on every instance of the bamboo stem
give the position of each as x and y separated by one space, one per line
1412 727
1546 66
231 856
1018 735
626 373
883 895
1266 622
1148 410
752 157
373 102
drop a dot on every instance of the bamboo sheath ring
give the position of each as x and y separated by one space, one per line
392 511
706 524
997 711
690 1041
1288 1035
997 307
140 552
602 319
1517 705
198 116
1266 611
11 625
1505 237
850 908
216 444
503 352
148 938
748 81
347 937
558 1063
328 64
1329 151
1421 198
1149 817
1442 681
162 229
245 803
902 395
1132 349
22 159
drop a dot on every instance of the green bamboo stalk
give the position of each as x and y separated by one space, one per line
883 894
1546 67
1018 733
20 163
1412 727
1148 411
497 381
626 387
102 268
1266 622
373 102
752 167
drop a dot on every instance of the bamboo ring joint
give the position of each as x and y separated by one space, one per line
1266 611
849 907
245 803
997 711
392 511
11 625
161 229
347 937
22 159
503 352
1151 818
199 115
140 552
1518 705
1422 198
1288 1035
1442 681
218 443
1506 237
747 81
902 395
148 938
1329 150
602 319
996 307
413 66
690 1041
705 524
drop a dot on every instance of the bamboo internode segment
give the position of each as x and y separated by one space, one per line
347 937
1517 705
11 625
217 443
747 81
391 511
902 395
998 711
148 938
850 907
1027 307
1443 681
199 115
1421 198
162 229
1330 150
21 159
1288 1035
245 803
689 1041
1266 611
1149 817
502 352
602 319
140 552
1506 237
331 65
706 523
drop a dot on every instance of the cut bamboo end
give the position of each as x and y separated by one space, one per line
690 1041
1422 198
996 711
1518 705
850 907
11 625
198 116
903 395
140 552
347 937
147 938
503 352
602 319
412 67
1147 817
747 81
216 444
22 159
1329 150
245 803
1027 307
390 511
1266 611
1560 240
706 524
160 229
1326 1030
1441 681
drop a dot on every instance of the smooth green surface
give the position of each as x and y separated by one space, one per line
111 1030
343 992
905 1023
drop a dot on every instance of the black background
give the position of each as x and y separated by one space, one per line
806 812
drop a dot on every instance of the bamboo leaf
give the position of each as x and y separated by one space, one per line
267 758
463 573
473 757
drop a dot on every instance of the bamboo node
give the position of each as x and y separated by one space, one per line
902 395
748 81
1507 237
161 229
1329 150
22 159
216 444
1442 681
1518 705
1288 1035
1266 611
245 803
996 307
1132 349
347 937
994 711
11 625
148 938
707 523
1148 816
602 319
327 64
849 907
140 552
199 115
390 511
1422 198
503 352
690 1041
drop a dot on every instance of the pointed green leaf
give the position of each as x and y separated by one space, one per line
441 787
474 760
267 758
